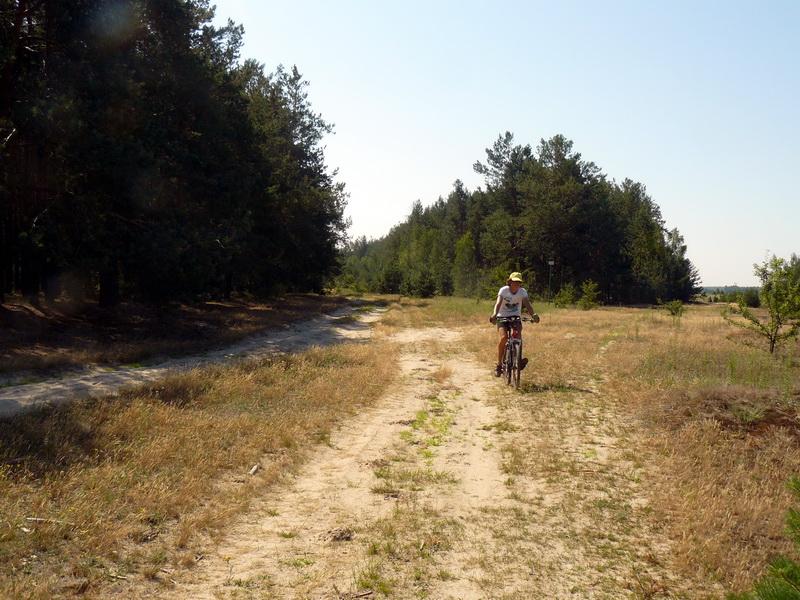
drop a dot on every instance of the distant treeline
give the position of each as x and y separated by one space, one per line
751 296
539 207
139 158
733 293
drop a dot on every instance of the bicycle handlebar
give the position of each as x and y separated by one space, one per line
512 319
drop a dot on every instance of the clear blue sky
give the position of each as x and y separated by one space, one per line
697 100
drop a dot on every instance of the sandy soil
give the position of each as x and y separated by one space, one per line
338 326
297 542
453 487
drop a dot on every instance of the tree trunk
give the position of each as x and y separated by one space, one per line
51 283
228 288
109 286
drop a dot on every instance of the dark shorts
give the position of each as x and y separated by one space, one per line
517 325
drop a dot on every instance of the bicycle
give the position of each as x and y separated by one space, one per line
512 355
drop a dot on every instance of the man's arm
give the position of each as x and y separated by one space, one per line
526 302
496 308
529 307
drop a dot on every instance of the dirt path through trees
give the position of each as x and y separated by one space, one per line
340 325
454 487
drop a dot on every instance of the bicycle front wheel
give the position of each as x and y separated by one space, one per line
517 363
508 362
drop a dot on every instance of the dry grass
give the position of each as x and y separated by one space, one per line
715 429
133 485
442 312
724 497
615 403
719 437
722 415
442 374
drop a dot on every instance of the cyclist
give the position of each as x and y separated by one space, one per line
511 299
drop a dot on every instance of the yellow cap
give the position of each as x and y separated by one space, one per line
515 277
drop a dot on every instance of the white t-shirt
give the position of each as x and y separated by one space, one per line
511 304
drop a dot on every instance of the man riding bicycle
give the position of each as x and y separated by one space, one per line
511 299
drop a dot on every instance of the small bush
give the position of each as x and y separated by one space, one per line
750 298
566 296
590 292
675 308
780 294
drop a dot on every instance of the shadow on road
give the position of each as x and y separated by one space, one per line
341 326
527 387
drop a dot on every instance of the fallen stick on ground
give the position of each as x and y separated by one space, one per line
41 520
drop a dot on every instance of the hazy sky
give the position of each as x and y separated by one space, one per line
698 101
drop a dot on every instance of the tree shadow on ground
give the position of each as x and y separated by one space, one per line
529 387
52 437
46 440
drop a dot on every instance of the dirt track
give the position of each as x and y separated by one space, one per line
328 329
453 487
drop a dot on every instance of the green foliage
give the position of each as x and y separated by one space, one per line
165 168
675 308
750 297
538 205
566 296
391 279
590 292
735 294
465 266
780 295
424 285
782 581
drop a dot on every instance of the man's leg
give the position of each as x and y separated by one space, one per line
501 347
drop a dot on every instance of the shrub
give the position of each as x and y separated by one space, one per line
780 294
675 308
590 292
566 296
750 298
425 286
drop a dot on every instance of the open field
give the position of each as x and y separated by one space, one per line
644 457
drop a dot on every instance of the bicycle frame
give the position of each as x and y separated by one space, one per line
512 355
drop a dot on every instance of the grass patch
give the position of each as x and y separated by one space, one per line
710 428
443 311
407 544
287 535
300 562
164 466
414 479
502 426
372 578
723 434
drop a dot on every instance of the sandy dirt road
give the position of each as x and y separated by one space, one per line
454 487
336 327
